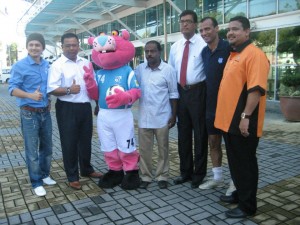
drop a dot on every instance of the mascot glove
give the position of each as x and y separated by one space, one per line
122 98
90 82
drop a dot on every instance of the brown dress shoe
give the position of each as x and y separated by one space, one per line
75 184
93 175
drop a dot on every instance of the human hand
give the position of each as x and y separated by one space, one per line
75 88
172 122
36 95
244 125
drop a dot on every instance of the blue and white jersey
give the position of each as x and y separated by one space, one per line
108 80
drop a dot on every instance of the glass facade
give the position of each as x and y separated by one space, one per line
258 8
150 23
288 5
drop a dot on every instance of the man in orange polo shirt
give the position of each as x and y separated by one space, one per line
240 114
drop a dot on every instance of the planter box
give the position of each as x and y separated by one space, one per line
290 107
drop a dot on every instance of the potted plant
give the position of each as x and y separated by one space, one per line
289 95
289 90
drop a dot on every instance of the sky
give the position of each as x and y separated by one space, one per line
10 13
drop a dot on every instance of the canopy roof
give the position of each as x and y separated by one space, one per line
53 18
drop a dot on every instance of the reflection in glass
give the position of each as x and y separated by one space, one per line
265 40
140 26
160 20
131 25
151 22
288 5
214 9
175 15
234 8
259 8
195 5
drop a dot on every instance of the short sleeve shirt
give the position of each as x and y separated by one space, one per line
246 70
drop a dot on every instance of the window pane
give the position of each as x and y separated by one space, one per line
288 51
151 22
175 15
160 18
288 5
168 14
214 9
131 25
265 40
261 8
234 8
141 24
196 5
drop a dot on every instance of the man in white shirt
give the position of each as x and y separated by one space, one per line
157 113
191 103
73 110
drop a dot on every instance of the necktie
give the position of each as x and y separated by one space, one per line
184 63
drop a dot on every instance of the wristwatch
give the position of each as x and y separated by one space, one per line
244 116
68 91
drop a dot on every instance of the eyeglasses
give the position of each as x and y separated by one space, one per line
186 21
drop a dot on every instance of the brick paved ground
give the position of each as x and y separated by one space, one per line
278 194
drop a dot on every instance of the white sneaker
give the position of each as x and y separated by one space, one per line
211 183
40 191
230 189
49 181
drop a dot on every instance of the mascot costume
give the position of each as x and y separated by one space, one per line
116 89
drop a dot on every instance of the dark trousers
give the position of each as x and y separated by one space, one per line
75 124
191 124
241 154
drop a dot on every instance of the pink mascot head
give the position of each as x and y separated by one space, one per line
111 52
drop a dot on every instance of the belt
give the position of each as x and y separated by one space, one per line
192 86
39 110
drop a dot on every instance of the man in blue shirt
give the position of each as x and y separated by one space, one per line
157 113
215 56
29 84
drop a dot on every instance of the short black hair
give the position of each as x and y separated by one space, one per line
156 43
189 12
214 21
68 35
243 20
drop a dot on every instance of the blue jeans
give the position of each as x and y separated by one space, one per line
37 133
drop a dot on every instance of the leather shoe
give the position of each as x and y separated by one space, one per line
237 213
195 183
181 180
75 184
229 199
144 184
93 175
162 184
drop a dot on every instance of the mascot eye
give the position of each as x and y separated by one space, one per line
115 33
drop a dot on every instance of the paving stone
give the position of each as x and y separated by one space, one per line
278 194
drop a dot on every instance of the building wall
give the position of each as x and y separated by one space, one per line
271 21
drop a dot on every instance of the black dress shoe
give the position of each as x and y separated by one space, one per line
144 184
196 183
237 213
181 180
229 199
162 184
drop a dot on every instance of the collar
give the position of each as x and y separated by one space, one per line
157 68
65 59
192 40
31 61
241 47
